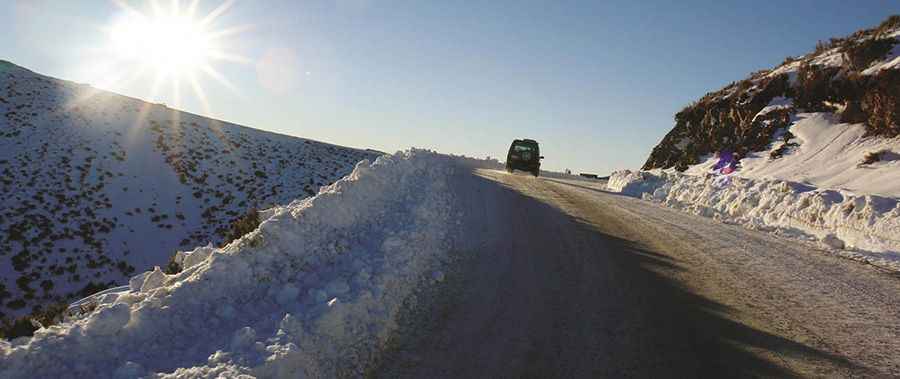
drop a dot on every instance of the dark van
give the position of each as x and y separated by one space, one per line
524 155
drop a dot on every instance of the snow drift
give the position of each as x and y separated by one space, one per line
312 292
868 224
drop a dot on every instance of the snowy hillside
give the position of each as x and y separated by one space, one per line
313 292
810 149
856 79
96 187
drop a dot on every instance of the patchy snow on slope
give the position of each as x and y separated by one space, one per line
833 57
777 103
313 292
892 61
789 69
95 186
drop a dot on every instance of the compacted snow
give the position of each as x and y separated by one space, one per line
312 292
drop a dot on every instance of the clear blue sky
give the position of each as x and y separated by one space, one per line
596 82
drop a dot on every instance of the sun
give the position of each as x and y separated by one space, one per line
172 44
169 43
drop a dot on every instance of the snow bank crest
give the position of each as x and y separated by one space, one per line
313 292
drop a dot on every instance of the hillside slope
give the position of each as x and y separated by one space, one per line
848 88
96 186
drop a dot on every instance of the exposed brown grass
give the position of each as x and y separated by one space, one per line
882 104
172 267
243 225
861 54
889 24
25 326
814 87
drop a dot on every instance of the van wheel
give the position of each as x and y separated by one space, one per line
536 173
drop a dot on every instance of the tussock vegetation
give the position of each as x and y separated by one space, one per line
785 146
723 120
862 53
26 325
891 23
243 225
879 156
814 88
872 157
881 102
172 267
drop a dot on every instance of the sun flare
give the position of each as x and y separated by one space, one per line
172 44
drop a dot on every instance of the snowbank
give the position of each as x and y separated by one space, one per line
633 183
867 224
313 292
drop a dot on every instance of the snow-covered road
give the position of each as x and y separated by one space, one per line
567 280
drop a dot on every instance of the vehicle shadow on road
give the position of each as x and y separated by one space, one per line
561 295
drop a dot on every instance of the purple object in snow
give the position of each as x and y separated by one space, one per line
726 159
